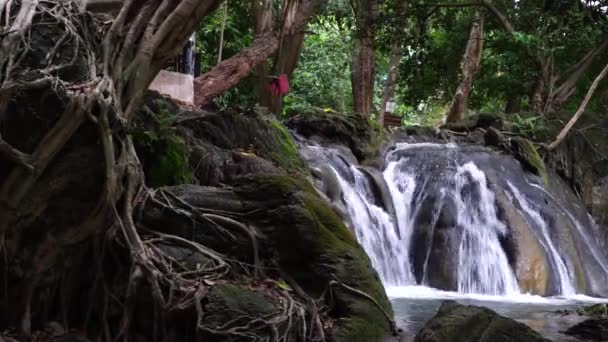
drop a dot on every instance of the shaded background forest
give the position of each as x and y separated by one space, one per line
431 38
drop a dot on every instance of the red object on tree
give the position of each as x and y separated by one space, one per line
280 85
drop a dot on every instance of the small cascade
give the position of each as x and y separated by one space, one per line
446 227
483 265
375 230
559 266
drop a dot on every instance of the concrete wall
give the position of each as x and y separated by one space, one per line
175 85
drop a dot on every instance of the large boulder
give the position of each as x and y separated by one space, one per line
246 166
308 239
595 329
580 159
349 129
176 146
466 323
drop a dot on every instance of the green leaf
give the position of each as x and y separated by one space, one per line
282 285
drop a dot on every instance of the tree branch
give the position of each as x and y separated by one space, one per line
580 111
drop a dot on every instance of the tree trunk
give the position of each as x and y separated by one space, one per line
286 63
262 11
363 64
580 110
470 65
388 93
558 96
68 170
513 104
231 71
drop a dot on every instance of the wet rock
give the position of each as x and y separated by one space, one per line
216 166
595 311
464 323
349 129
531 265
481 120
227 302
443 253
301 234
595 330
493 137
526 153
382 194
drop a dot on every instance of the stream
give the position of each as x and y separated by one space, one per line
445 221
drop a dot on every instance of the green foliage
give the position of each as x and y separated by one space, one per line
322 79
526 125
162 152
237 36
527 154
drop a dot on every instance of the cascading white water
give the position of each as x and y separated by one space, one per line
424 187
375 231
483 265
591 245
565 278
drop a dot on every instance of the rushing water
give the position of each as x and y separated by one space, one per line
414 306
439 222
431 216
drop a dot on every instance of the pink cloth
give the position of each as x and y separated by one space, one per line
280 85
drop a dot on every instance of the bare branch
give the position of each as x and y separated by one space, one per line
580 111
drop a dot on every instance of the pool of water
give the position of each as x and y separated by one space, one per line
415 305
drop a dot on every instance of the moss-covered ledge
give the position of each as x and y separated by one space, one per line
315 247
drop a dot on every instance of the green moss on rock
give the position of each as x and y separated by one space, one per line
526 153
350 129
227 302
315 247
481 120
162 151
251 131
466 323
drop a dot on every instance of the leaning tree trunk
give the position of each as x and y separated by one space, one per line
363 64
231 71
580 110
388 93
560 94
262 12
69 175
470 64
288 54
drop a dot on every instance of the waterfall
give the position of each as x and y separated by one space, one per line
445 227
565 278
483 265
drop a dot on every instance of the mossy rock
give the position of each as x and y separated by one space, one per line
472 122
349 129
162 152
227 302
253 132
188 258
315 247
466 323
528 156
590 330
595 311
302 234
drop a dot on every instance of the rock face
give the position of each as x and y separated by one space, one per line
464 323
247 164
580 159
351 130
590 330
